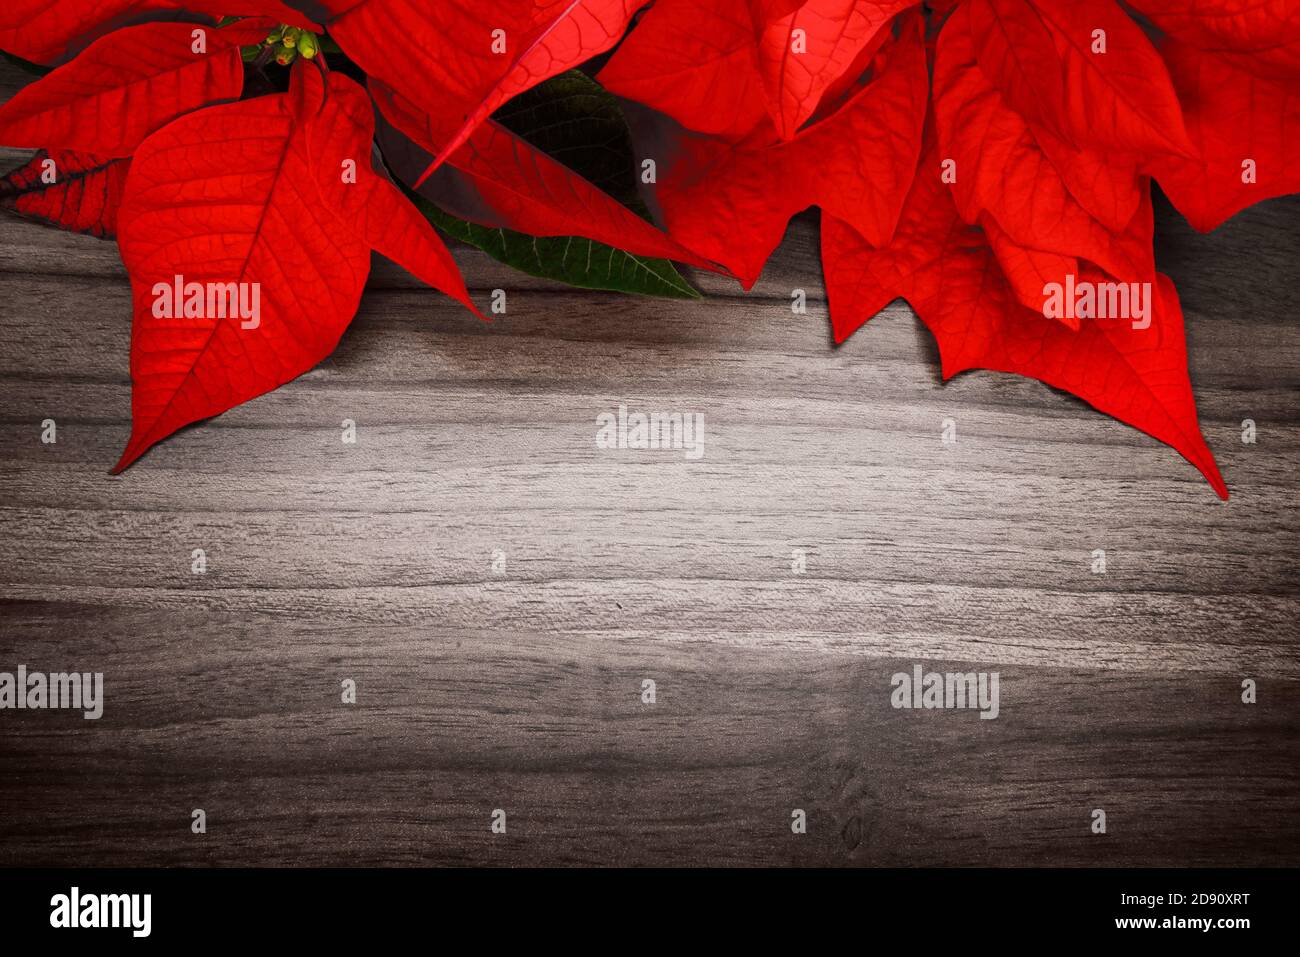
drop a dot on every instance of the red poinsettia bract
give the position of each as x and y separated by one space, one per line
990 161
1013 210
246 222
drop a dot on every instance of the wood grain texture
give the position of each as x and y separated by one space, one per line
521 690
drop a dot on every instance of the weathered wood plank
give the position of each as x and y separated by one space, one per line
521 688
240 716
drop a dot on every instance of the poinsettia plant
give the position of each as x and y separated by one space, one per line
989 161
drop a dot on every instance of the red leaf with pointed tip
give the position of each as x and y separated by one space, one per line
798 67
447 58
514 185
733 203
1039 55
230 195
1108 185
336 134
696 61
225 196
123 87
1027 270
1233 116
1258 36
948 274
720 66
854 77
1017 53
558 36
1002 170
84 197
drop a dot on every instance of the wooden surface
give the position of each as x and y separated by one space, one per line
521 690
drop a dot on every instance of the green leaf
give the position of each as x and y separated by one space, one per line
574 260
573 119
